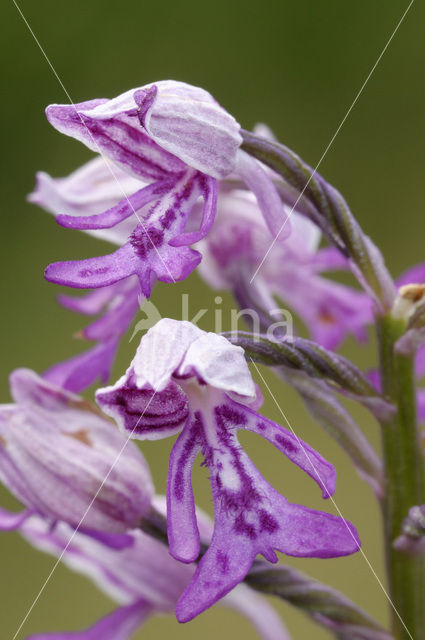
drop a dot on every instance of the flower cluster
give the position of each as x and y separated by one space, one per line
176 181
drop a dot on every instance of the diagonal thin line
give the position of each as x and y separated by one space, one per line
55 566
331 498
341 124
105 159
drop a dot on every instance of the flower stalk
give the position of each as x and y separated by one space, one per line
405 481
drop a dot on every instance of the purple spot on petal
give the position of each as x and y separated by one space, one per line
222 561
88 273
145 239
267 522
168 218
244 528
286 444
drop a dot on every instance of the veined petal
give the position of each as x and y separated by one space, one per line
209 192
183 533
269 202
119 137
299 452
190 124
63 460
250 517
144 414
121 624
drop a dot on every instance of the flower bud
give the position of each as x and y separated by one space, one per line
65 461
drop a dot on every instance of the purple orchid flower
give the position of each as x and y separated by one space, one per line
142 578
198 383
178 141
63 460
291 271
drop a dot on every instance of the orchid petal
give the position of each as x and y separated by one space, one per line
10 521
90 304
190 124
79 372
183 534
65 461
94 272
209 192
268 199
252 518
121 624
161 351
299 452
91 189
120 138
115 322
144 414
124 209
219 364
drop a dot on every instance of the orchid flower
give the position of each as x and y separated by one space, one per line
64 461
178 142
184 379
240 255
142 578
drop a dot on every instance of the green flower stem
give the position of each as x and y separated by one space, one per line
405 482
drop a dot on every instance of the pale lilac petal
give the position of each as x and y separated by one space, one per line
298 451
116 320
258 611
209 193
268 199
183 533
93 188
118 625
190 124
90 304
144 569
144 414
10 521
81 371
124 209
329 259
330 310
119 138
219 364
162 350
304 230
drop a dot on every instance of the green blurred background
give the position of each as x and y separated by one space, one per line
296 66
